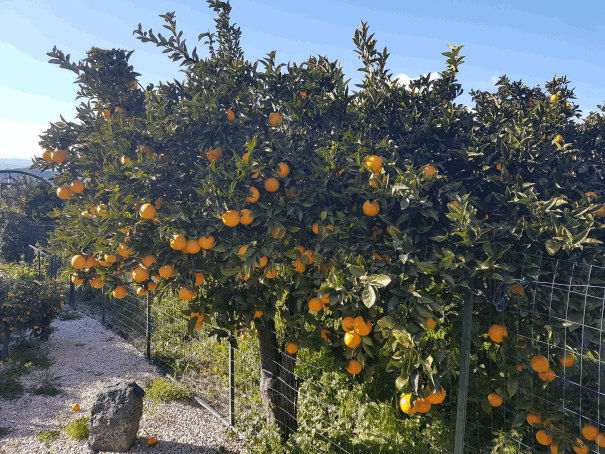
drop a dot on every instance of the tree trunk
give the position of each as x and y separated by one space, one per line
278 384
5 341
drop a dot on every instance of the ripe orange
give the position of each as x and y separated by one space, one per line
437 397
315 228
214 154
283 169
102 210
262 262
77 186
147 261
495 400
352 339
152 285
151 441
422 405
374 178
533 418
300 267
230 115
255 195
47 155
124 250
429 171
90 262
362 327
119 292
325 300
147 211
600 212
405 403
315 305
543 438
580 447
559 138
291 348
271 184
270 272
371 208
76 280
230 218
258 314
139 274
539 363
430 323
242 250
303 94
110 258
78 261
246 217
64 192
554 97
348 324
277 232
193 247
59 156
178 242
199 279
96 282
590 432
75 407
601 439
141 291
354 367
124 160
275 120
166 271
519 367
497 333
373 163
591 193
549 375
516 288
185 294
106 114
206 242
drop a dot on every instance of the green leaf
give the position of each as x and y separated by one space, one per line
368 296
357 271
552 247
379 280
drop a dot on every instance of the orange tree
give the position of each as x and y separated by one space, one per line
363 219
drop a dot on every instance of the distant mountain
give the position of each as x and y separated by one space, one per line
14 163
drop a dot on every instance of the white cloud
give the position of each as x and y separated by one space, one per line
404 79
20 139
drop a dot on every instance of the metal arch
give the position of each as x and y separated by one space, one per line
12 181
21 172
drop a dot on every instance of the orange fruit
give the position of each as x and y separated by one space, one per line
519 367
246 217
371 208
429 171
166 271
147 261
230 115
495 400
214 154
354 367
592 194
119 292
283 169
185 294
374 178
275 120
124 251
543 438
303 94
124 160
271 184
325 300
199 279
437 397
300 267
141 291
97 282
558 138
315 228
90 262
147 211
47 155
151 441
539 363
75 407
64 192
271 272
533 418
192 247
590 432
110 258
601 439
516 288
373 163
580 447
59 156
352 339
242 250
405 403
362 327
315 305
497 333
258 314
230 218
206 242
262 262
554 97
600 212
106 114
277 232
139 274
430 323
76 280
554 449
548 375
255 195
152 285
102 209
77 186
422 405
291 348
348 324
78 261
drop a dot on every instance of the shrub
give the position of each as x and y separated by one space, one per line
77 428
163 389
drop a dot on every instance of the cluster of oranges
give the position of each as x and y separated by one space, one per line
544 436
355 329
421 404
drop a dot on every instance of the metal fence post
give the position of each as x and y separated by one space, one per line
102 307
232 348
465 350
148 328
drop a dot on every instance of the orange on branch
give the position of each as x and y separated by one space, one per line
548 375
254 195
119 292
539 363
185 294
291 348
246 217
166 271
497 333
437 397
373 163
348 324
362 327
371 208
147 211
77 187
590 432
354 367
230 115
543 438
495 400
429 171
192 247
275 120
405 403
206 242
352 339
147 261
230 218
199 279
283 169
64 192
78 261
139 274
271 184
315 305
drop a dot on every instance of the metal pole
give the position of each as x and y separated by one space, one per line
465 349
148 328
39 265
232 348
102 307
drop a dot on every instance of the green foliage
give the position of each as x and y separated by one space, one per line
4 431
163 390
77 428
46 383
47 436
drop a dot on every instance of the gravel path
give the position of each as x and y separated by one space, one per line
88 357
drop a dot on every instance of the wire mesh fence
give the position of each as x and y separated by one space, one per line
554 309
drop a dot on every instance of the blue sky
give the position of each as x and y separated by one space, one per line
530 40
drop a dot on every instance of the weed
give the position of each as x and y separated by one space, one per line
46 384
10 386
4 431
163 389
67 315
47 436
77 428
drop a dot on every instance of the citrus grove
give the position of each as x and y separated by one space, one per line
362 221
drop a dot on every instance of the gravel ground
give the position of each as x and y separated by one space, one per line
88 357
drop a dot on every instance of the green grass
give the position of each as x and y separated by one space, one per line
48 435
4 431
77 428
25 358
46 384
163 390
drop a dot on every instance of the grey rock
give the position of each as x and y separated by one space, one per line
115 417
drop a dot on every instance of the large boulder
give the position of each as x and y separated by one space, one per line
115 417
